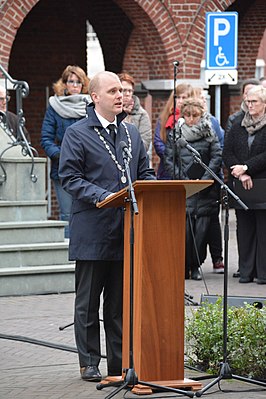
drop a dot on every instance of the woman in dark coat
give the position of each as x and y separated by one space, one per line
244 155
65 107
197 131
165 123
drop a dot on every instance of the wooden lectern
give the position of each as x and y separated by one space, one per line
159 280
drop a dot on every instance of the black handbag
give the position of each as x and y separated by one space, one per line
255 198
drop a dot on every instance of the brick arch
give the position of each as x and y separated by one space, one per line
251 30
168 31
13 13
154 32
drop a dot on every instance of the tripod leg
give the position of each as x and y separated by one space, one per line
249 380
61 328
124 385
168 389
109 384
201 392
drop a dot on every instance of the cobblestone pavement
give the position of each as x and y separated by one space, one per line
37 371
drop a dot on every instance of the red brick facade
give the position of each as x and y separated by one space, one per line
144 37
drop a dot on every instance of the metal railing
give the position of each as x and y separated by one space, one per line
22 91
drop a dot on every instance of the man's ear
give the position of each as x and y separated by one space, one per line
94 97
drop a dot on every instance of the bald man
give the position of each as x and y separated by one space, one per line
92 168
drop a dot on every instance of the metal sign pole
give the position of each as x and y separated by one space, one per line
218 103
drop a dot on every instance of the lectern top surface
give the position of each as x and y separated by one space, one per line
190 186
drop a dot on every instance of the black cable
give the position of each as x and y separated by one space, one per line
41 343
38 342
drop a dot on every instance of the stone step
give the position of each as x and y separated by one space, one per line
23 210
19 183
24 232
39 254
36 280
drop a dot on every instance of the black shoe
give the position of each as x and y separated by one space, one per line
195 275
236 274
261 281
245 280
91 373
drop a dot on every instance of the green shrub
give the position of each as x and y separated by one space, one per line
246 339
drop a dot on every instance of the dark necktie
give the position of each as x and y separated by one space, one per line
112 128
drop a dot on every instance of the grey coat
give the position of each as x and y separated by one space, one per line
140 118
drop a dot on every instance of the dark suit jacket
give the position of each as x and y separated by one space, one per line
89 174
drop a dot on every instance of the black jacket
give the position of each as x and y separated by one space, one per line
236 151
205 202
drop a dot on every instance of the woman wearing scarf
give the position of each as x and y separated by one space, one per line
166 122
197 131
239 115
65 107
244 155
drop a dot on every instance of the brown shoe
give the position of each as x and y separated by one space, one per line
90 373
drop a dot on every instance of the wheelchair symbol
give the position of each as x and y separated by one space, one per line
220 58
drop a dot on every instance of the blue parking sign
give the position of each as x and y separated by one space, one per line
221 40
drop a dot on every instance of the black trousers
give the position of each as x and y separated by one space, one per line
215 238
251 241
93 278
196 241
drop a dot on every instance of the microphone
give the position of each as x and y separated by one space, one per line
176 63
125 149
183 143
180 122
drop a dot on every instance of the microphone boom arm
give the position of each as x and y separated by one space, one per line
198 159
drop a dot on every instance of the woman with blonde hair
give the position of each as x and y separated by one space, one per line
179 161
166 122
66 106
215 232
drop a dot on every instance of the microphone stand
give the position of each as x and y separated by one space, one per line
225 370
188 297
176 63
131 378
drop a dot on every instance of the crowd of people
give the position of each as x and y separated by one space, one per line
91 169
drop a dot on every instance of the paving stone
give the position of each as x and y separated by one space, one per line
30 371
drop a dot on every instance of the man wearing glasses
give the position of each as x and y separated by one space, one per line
10 119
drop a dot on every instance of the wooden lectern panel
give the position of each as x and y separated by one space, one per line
159 268
159 253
